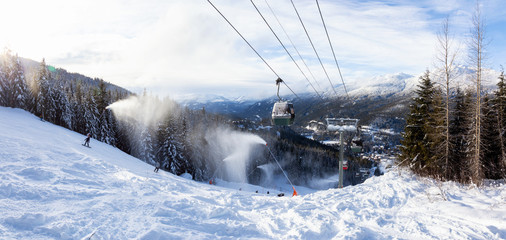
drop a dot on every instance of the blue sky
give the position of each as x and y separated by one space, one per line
183 46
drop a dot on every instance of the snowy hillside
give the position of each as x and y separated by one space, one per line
53 188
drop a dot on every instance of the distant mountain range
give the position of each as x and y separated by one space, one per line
379 99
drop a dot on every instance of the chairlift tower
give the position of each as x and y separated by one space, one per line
341 125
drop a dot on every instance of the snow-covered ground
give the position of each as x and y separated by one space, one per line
51 187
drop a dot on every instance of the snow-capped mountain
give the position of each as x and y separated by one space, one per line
53 188
215 103
385 85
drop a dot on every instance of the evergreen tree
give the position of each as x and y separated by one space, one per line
101 96
499 105
108 128
416 144
91 115
491 150
3 83
163 142
459 127
43 91
122 134
78 118
58 104
13 88
147 151
435 127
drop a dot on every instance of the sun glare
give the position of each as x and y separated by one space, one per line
27 26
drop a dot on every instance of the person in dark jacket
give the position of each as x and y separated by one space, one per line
157 167
87 140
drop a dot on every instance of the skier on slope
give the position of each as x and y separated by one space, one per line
87 140
157 166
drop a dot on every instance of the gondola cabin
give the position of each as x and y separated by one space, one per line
283 113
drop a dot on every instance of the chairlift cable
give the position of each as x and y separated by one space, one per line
332 48
280 42
209 1
300 55
312 45
293 44
279 165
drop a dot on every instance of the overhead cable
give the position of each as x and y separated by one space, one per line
316 52
293 45
330 43
251 46
279 40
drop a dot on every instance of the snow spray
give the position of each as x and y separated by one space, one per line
144 109
268 170
231 152
137 114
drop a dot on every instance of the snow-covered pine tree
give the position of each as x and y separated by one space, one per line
43 91
181 163
3 82
123 136
69 111
109 132
59 103
101 95
20 86
91 115
196 145
147 151
162 144
459 128
470 136
188 166
14 91
499 104
491 149
78 108
103 99
415 149
435 128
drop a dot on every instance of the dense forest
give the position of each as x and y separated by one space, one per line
423 146
182 140
454 133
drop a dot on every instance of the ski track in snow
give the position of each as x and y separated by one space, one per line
51 187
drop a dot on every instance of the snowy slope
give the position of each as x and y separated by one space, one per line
53 188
